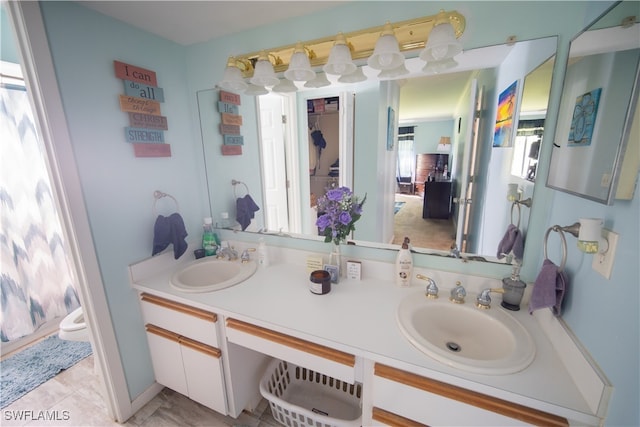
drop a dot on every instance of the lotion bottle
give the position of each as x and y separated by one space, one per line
263 256
404 265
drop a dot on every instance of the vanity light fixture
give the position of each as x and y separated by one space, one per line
256 90
401 70
386 54
442 42
300 66
435 67
264 74
383 47
340 62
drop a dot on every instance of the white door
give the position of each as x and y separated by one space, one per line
467 195
274 171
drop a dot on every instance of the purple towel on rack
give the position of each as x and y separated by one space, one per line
169 230
549 288
511 241
245 209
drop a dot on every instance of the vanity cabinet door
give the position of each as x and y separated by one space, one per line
203 372
426 401
319 358
166 358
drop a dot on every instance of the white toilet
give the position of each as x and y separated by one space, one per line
73 327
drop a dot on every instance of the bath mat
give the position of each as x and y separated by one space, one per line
33 366
397 206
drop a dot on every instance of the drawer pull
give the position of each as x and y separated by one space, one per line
391 419
296 343
171 336
489 403
203 348
179 307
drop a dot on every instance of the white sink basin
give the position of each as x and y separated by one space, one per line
490 342
211 274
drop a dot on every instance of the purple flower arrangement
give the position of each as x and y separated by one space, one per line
339 209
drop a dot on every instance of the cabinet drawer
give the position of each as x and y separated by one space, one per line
182 319
334 363
443 404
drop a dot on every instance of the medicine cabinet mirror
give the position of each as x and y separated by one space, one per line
599 97
484 72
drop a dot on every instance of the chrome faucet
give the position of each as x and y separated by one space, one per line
228 252
245 257
483 300
458 293
432 289
454 252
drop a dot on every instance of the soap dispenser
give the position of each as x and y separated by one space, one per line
263 255
513 290
404 265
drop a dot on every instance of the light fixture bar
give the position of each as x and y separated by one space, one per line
411 35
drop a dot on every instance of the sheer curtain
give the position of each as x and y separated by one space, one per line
406 157
36 281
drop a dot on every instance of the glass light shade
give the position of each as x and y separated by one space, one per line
233 80
320 81
299 67
435 67
386 54
395 72
441 44
340 62
256 90
285 86
264 74
355 77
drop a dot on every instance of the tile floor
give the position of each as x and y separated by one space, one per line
72 398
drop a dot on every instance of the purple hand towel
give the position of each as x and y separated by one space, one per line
511 241
169 230
549 288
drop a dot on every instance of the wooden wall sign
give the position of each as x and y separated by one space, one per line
141 100
228 107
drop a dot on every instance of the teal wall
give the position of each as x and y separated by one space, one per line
118 188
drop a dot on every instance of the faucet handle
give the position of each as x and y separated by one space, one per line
483 301
245 257
432 289
458 293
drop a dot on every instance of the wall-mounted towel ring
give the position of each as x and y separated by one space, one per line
558 230
235 183
516 205
157 195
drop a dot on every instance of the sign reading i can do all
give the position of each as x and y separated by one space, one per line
141 100
228 107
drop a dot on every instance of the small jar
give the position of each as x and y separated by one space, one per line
320 282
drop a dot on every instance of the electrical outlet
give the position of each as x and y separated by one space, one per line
603 263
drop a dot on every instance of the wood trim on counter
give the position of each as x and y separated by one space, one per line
296 343
391 419
179 307
198 346
483 401
171 336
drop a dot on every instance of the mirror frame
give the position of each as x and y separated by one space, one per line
613 15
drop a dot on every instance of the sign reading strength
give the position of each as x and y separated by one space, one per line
143 135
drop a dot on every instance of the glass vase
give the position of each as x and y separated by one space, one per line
335 257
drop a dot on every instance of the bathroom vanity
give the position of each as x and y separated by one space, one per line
215 346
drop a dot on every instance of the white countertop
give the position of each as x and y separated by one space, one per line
359 317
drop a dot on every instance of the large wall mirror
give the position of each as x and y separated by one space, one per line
449 118
599 97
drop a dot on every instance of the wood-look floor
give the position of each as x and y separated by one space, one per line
73 398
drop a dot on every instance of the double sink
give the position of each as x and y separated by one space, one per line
489 342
